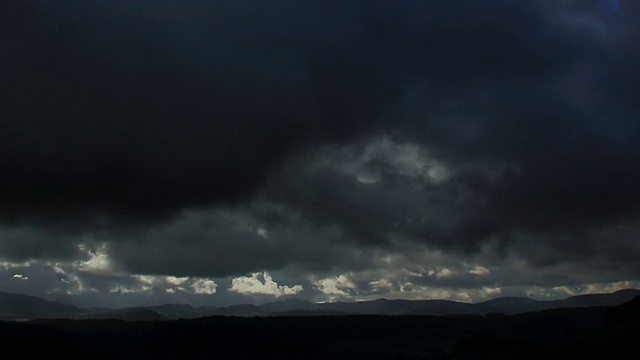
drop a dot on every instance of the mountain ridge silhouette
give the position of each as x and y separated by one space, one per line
19 306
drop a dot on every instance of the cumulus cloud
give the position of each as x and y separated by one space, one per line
168 284
97 259
254 285
339 285
204 286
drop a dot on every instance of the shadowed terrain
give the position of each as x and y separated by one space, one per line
551 334
15 306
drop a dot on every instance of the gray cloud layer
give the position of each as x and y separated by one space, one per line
316 139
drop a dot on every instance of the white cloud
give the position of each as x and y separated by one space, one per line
169 284
339 285
446 273
263 233
406 286
432 271
382 285
479 270
204 286
254 285
143 283
177 281
74 285
20 277
98 259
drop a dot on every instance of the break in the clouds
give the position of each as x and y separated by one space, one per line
238 151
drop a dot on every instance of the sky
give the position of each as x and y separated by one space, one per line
247 151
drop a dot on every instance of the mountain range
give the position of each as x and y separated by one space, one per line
602 332
17 306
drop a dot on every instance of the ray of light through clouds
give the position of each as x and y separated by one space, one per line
229 152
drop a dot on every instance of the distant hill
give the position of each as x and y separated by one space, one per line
612 299
129 314
402 307
175 311
287 305
239 310
507 305
305 313
17 306
512 305
14 306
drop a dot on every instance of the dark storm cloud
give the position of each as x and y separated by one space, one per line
134 110
458 124
139 110
546 146
226 243
22 244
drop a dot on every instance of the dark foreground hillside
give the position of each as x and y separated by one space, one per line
563 333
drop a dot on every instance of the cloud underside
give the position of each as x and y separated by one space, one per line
182 150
